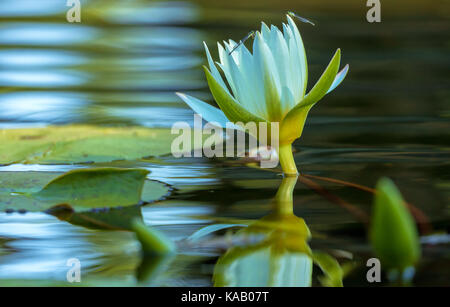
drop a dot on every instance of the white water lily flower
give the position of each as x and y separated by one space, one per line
266 86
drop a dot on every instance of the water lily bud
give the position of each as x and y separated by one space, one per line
393 233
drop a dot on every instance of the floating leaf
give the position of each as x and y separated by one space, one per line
393 232
80 190
86 187
82 144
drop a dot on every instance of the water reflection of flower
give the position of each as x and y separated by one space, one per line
281 256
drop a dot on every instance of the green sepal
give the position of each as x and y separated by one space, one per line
232 109
292 125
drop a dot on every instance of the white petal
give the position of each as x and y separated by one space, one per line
339 78
267 74
294 64
242 91
265 32
255 90
230 46
207 111
296 74
280 52
213 68
225 66
301 52
287 32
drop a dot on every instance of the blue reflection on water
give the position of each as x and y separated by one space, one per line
16 8
44 245
151 116
39 58
45 34
173 39
42 79
173 12
40 106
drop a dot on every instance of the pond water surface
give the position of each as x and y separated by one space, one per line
121 66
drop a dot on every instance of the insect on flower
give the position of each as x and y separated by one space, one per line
267 85
302 19
250 34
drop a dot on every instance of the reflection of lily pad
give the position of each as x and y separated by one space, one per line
82 144
81 189
153 242
102 219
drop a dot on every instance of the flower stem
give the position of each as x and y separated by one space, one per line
287 160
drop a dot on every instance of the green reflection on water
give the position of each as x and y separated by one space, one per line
280 256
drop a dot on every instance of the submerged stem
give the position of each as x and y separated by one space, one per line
287 160
284 202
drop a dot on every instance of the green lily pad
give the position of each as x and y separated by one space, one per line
82 144
80 190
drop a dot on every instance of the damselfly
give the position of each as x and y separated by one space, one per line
250 34
302 19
